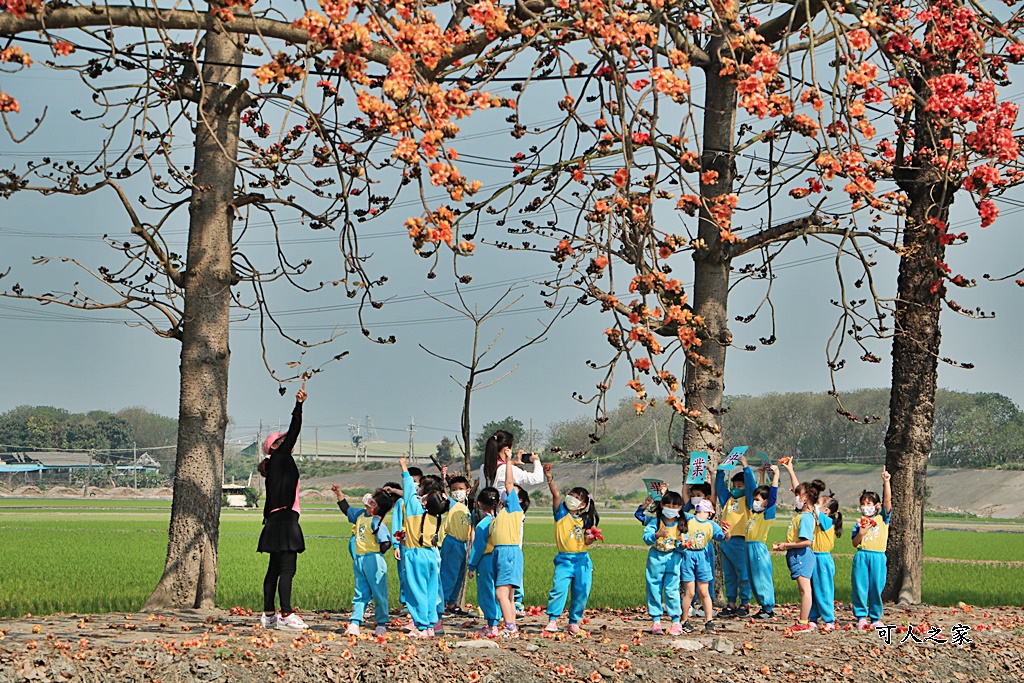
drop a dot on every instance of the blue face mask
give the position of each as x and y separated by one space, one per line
669 513
737 493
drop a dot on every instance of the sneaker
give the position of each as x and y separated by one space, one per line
380 630
878 624
268 620
510 631
863 625
710 628
426 633
457 611
692 611
520 611
485 631
552 626
656 627
763 614
574 629
410 625
352 630
803 628
292 622
697 611
743 611
828 627
439 627
676 630
729 611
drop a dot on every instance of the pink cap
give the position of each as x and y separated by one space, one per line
704 505
269 441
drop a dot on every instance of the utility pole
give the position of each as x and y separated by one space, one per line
259 456
316 440
531 435
597 462
412 441
657 444
135 463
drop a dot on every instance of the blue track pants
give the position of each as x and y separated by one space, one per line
762 577
485 594
575 571
737 574
663 583
371 572
453 569
423 585
868 578
823 586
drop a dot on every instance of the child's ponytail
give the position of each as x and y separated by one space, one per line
836 515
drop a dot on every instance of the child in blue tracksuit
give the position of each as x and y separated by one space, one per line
735 503
397 518
481 561
458 524
507 534
371 540
575 516
421 527
871 538
664 534
799 556
693 494
695 570
828 528
759 560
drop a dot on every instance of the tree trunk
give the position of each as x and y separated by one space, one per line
705 380
915 352
190 574
705 383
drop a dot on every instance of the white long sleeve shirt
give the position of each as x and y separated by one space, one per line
520 476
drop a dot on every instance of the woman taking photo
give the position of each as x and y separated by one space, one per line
492 472
282 535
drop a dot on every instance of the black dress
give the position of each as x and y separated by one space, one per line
281 530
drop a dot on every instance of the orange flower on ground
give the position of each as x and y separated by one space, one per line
622 664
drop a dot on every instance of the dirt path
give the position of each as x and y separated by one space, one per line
226 647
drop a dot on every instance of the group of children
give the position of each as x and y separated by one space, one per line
439 535
432 528
680 563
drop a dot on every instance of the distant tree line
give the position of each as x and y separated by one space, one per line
43 428
971 429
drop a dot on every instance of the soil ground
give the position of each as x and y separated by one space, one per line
221 646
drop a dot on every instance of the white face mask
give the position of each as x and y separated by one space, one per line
670 513
758 506
572 503
799 505
367 499
868 510
460 495
696 499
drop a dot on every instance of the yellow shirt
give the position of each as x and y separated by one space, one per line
569 533
735 513
699 533
875 537
421 531
757 527
366 539
457 523
802 527
507 527
824 539
669 542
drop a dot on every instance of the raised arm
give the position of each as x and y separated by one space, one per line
886 492
749 482
788 464
295 428
721 488
556 497
522 476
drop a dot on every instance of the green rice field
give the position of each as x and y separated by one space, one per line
107 556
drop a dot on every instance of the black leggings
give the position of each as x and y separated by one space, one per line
279 580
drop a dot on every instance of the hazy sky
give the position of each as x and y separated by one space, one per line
82 361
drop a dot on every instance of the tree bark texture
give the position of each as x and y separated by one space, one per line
915 352
705 383
190 574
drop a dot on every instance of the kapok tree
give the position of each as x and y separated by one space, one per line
956 134
158 76
721 111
